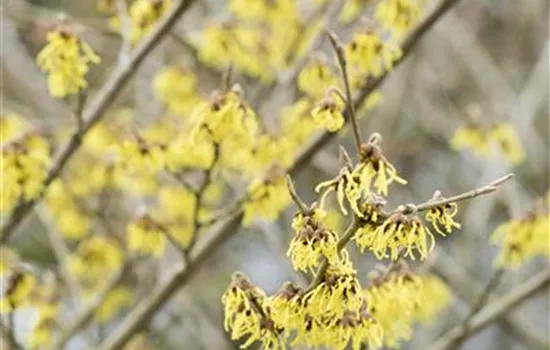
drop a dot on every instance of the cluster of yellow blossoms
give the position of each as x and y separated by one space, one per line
524 238
397 301
483 143
23 289
25 161
335 311
261 38
142 16
66 59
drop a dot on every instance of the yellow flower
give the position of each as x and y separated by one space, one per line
95 259
366 234
190 152
267 198
507 139
89 176
66 59
69 218
43 331
397 300
522 239
116 300
141 155
347 187
23 168
297 124
443 215
312 241
286 308
471 137
246 314
375 170
176 87
328 113
146 236
267 151
144 14
433 295
18 287
351 9
357 328
315 78
176 203
369 55
11 126
398 16
339 292
227 117
400 232
249 9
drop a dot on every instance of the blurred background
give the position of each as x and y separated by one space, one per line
488 57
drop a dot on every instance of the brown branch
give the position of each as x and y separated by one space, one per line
162 293
493 311
95 111
350 106
199 194
493 186
302 206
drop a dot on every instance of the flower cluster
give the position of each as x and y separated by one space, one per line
522 239
66 59
354 184
483 143
246 314
312 241
398 16
397 300
266 197
142 15
261 38
146 236
94 260
24 165
176 87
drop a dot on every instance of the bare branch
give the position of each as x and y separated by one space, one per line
494 310
350 106
493 186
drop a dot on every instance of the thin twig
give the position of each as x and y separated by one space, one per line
95 111
493 186
80 102
494 310
160 295
199 196
299 202
350 106
480 302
